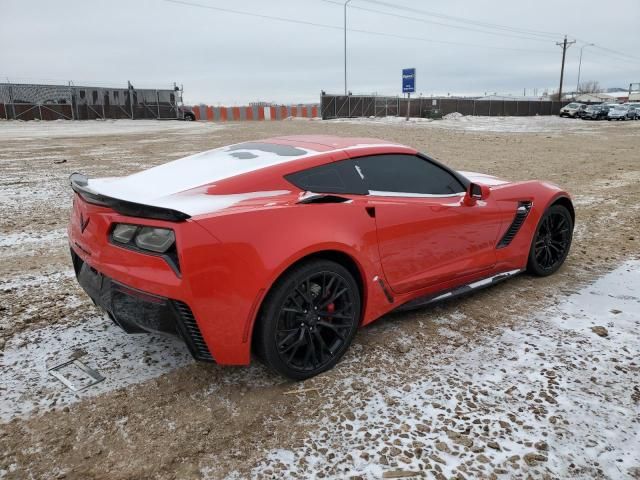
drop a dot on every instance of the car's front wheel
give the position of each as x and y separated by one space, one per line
551 242
308 320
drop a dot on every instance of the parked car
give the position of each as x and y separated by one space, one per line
286 246
595 112
636 106
573 110
621 112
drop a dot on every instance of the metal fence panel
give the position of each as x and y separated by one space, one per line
50 102
341 106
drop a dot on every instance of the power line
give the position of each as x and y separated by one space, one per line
335 27
615 52
474 22
465 20
432 22
614 61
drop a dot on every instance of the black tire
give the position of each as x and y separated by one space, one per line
189 117
308 319
551 241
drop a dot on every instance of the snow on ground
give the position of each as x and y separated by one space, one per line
123 359
47 279
537 124
550 398
16 129
27 239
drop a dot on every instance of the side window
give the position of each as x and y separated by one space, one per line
337 177
398 173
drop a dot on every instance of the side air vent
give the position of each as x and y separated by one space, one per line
191 333
521 214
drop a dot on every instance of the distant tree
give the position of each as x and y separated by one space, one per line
553 96
591 86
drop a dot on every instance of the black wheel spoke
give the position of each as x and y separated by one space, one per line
304 295
333 298
298 304
288 337
298 310
338 315
334 328
322 343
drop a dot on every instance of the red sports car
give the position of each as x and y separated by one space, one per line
285 246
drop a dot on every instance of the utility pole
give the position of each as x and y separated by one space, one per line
345 46
580 63
564 46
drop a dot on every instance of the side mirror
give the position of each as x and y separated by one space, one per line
476 192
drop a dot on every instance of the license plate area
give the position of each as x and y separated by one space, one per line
76 375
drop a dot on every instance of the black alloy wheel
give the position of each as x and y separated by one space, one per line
551 242
309 319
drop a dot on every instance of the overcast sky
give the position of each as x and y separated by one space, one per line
226 58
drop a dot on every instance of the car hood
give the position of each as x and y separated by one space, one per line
483 178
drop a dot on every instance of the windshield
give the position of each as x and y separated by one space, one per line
620 107
572 105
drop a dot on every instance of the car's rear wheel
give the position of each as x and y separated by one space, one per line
551 242
308 319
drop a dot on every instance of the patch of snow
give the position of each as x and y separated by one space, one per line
18 130
535 124
24 281
550 398
123 359
24 238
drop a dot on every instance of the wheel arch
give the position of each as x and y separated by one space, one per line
565 202
340 257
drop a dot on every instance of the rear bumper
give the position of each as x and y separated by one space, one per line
136 311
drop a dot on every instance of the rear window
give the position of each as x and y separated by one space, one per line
337 177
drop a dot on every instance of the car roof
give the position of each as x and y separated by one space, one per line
243 167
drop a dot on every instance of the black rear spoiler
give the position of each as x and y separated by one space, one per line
80 185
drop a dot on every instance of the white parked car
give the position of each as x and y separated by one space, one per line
573 110
621 112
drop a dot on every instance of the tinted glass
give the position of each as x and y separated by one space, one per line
338 177
406 174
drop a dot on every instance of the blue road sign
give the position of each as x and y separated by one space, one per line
408 80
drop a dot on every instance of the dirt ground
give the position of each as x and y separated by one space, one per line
192 420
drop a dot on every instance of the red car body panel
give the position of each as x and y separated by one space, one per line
231 257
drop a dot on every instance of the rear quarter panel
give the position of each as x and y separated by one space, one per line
257 246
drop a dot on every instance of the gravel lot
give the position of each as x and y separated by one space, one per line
516 381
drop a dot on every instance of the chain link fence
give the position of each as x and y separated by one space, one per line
346 106
70 102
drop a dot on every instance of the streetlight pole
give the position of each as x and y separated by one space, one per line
580 64
345 45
